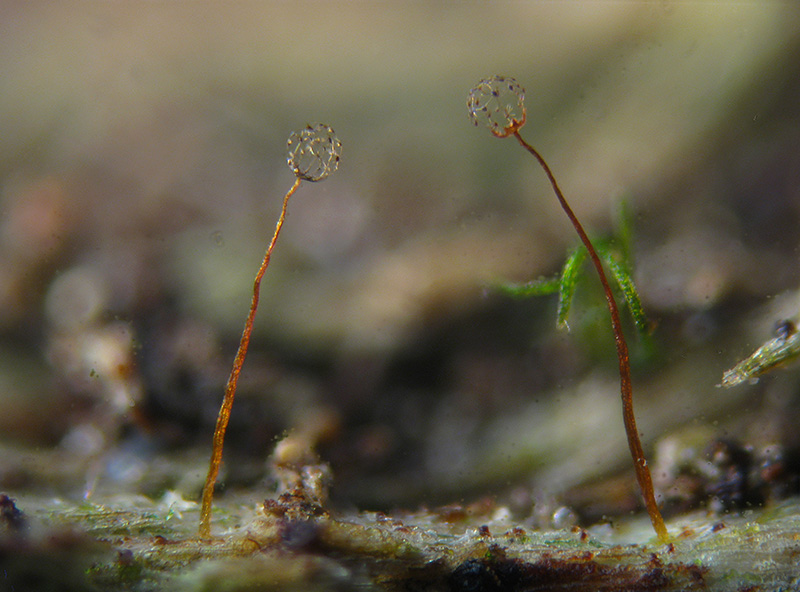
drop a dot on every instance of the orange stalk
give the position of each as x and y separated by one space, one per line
233 379
626 390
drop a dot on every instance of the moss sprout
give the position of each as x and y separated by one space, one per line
782 349
615 253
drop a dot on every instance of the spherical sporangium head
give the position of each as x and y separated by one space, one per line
314 152
497 103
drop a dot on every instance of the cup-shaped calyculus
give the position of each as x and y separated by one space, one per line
314 152
497 103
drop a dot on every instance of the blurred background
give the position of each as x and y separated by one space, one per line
142 167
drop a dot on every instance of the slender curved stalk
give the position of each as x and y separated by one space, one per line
233 379
626 390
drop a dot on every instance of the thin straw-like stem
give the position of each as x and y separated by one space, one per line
233 379
625 387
